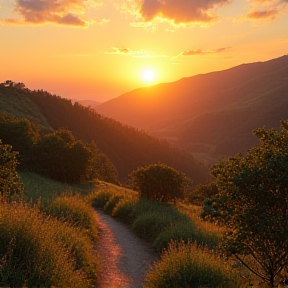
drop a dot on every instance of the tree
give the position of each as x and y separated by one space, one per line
61 157
9 180
253 204
159 182
22 134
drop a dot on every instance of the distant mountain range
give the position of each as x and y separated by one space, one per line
210 115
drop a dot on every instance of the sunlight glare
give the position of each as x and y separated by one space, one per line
148 75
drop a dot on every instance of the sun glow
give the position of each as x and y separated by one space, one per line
148 75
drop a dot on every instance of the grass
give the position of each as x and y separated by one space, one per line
188 265
48 236
39 251
188 245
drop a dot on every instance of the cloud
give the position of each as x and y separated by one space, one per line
124 51
200 52
266 9
63 12
266 14
177 11
133 53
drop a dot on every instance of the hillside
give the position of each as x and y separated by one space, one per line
210 115
125 146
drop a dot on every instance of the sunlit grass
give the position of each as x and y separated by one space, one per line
39 251
188 265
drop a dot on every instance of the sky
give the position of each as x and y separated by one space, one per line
100 49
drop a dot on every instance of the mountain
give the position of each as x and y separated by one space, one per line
87 103
126 147
210 115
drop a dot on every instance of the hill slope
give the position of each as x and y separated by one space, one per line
213 114
125 146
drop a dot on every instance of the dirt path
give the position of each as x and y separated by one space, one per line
125 258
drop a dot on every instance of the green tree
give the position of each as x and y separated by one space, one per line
159 182
253 204
61 157
9 180
22 134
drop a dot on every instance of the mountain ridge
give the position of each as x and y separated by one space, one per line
171 110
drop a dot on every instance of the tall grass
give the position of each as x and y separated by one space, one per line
39 251
188 265
75 210
155 222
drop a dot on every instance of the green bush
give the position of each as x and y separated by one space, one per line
160 183
125 210
38 251
186 265
100 198
149 225
9 180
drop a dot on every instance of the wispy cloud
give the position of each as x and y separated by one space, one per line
133 53
266 9
198 52
63 12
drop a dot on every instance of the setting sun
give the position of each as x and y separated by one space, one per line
148 75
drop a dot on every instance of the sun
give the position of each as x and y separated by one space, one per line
148 75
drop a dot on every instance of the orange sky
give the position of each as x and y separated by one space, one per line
90 49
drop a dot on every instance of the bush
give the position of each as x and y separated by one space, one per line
186 265
36 251
125 210
159 182
9 180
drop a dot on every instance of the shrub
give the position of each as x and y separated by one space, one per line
125 210
186 265
9 180
159 182
33 251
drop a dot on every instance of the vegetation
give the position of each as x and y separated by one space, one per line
9 180
187 265
126 147
253 193
49 243
58 155
38 251
160 183
157 223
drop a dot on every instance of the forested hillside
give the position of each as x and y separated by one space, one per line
126 147
210 115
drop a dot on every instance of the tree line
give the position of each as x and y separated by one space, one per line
57 155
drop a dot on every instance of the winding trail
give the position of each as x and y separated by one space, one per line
124 257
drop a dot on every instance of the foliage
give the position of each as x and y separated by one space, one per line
202 191
159 182
38 251
22 134
9 180
126 147
254 200
61 157
187 265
